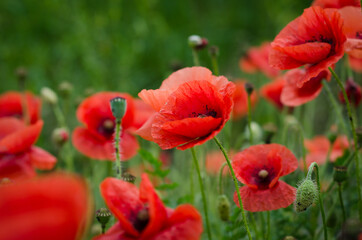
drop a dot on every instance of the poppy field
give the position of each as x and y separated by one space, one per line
181 120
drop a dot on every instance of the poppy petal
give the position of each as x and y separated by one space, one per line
155 98
16 166
145 130
115 232
157 210
21 140
311 52
53 207
9 125
280 196
272 92
122 198
185 223
41 159
142 113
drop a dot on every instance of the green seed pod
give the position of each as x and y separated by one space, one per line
103 215
118 107
307 193
65 89
223 206
340 174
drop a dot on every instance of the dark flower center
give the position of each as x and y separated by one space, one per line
107 128
321 38
208 112
359 34
142 219
262 178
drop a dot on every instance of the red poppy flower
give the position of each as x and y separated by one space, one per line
355 63
352 27
318 148
95 139
192 106
142 215
336 3
240 98
257 58
273 91
292 95
11 105
353 91
18 156
315 38
259 167
53 207
214 161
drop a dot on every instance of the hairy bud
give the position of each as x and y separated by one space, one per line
307 193
223 207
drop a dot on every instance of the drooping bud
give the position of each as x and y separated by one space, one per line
223 207
249 88
214 51
103 215
128 178
340 174
353 91
49 95
118 107
197 42
60 136
65 89
307 193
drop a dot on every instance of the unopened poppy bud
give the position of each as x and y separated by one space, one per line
340 174
249 88
49 95
291 121
223 207
307 193
128 177
118 107
214 51
353 91
60 136
256 130
21 73
65 89
332 136
196 42
103 215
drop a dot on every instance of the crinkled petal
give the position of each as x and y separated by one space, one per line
16 166
41 159
280 196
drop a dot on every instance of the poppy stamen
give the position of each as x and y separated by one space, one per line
108 124
143 216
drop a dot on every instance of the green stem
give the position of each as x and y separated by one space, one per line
335 105
196 163
301 135
236 186
314 165
268 230
262 220
220 177
341 201
215 65
355 140
253 224
59 115
195 57
118 155
249 120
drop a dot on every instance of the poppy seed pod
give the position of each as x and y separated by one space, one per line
21 73
60 136
65 89
306 195
340 174
197 42
103 215
214 51
249 88
118 107
223 207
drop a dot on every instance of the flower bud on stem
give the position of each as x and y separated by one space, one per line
249 90
118 107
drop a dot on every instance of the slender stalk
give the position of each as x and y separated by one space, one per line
262 219
336 107
196 163
236 186
220 177
268 230
355 140
341 201
118 155
253 224
301 135
314 165
249 120
195 57
215 65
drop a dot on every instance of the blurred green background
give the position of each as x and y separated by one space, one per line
128 45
